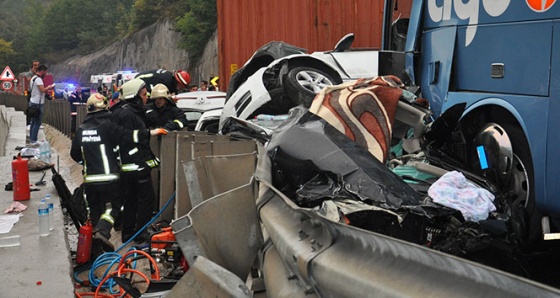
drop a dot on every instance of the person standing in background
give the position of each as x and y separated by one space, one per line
204 86
32 71
38 100
28 75
105 90
75 99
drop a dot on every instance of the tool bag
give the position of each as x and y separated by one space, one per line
31 111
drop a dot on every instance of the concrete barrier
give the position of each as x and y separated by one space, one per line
37 266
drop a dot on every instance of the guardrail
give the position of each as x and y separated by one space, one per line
172 149
299 253
180 154
57 111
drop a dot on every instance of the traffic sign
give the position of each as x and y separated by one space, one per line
214 81
7 75
7 85
232 68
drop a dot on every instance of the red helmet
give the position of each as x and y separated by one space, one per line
183 78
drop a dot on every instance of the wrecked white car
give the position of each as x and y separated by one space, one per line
279 76
202 108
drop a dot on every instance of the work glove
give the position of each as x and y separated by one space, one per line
158 131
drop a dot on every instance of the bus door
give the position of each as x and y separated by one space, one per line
435 68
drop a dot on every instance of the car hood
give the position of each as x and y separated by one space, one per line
200 100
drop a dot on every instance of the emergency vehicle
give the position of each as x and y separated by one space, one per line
122 76
97 81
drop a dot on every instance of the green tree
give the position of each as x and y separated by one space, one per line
17 19
53 30
60 26
34 45
81 26
197 25
6 51
147 12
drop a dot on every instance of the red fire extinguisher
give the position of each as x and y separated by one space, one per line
20 179
84 243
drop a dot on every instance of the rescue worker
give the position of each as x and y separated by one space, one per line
95 148
163 112
137 161
175 81
115 105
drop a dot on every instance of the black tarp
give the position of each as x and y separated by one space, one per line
314 161
74 204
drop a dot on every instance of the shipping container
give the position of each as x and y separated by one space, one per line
316 25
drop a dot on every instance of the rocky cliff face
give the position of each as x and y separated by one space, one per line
150 48
208 65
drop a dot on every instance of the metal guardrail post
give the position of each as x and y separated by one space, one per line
18 102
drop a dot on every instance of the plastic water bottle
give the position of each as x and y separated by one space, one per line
43 211
50 204
44 151
47 151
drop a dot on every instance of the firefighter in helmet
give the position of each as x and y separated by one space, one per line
163 112
94 147
175 81
137 162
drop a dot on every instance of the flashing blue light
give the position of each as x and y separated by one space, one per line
482 157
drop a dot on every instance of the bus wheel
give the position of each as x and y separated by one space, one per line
525 219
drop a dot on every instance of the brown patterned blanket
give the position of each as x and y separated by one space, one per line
364 110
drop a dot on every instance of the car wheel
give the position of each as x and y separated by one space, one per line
525 219
303 83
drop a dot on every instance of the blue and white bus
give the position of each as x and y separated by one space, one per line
500 59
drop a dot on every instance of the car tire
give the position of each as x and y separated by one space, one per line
525 218
303 83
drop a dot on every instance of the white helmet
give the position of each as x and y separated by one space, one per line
131 88
159 91
96 102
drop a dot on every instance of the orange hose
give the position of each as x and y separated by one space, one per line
91 294
121 269
124 270
123 258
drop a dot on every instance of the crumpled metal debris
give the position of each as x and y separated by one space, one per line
314 161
